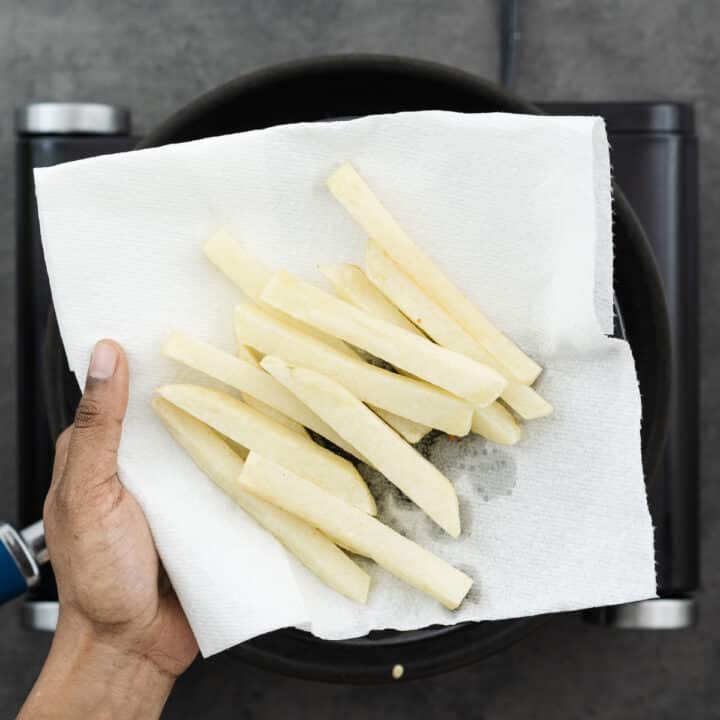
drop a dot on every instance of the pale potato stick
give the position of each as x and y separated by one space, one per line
243 375
440 326
527 402
221 465
412 431
366 209
497 424
352 285
366 535
255 431
398 461
239 265
403 396
447 369
251 276
250 379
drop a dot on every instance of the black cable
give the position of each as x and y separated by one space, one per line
509 35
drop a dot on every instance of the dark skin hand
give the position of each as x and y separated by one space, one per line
122 638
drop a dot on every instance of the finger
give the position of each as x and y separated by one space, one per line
92 451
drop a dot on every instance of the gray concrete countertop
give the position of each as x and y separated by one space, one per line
153 57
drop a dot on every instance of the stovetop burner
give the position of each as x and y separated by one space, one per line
654 159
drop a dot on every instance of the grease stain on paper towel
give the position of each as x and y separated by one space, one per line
478 469
490 467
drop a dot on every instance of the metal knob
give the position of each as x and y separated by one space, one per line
56 118
19 568
34 537
655 614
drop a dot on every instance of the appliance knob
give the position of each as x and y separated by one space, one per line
40 615
19 567
61 118
654 614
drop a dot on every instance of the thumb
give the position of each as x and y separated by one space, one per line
92 453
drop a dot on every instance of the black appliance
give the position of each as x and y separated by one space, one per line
654 159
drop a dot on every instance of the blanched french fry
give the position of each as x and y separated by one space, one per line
403 396
352 285
237 263
251 276
255 431
437 323
366 535
250 379
497 424
221 465
365 208
447 369
527 402
412 431
398 461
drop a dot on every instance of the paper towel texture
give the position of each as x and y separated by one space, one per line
516 210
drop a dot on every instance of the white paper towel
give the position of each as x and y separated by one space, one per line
516 209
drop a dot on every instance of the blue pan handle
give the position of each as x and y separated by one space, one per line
21 554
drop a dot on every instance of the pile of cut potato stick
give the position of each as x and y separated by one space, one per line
302 364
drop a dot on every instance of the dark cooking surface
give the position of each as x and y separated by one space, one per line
584 50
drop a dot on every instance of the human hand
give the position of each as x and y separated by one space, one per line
120 626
